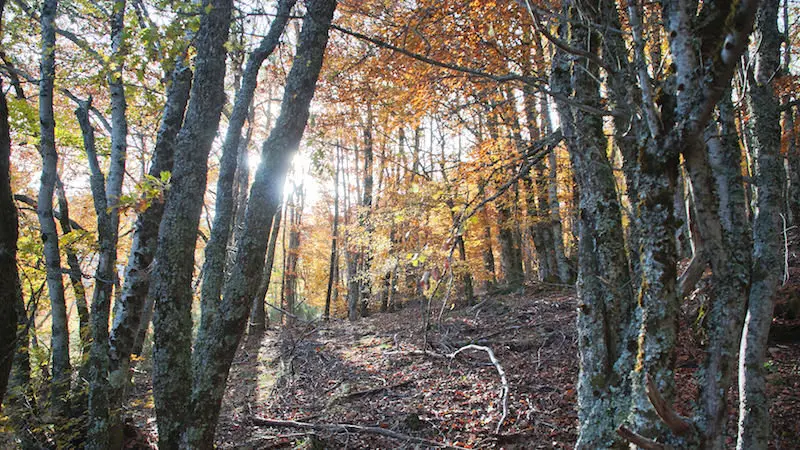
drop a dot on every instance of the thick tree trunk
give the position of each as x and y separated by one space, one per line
539 231
134 311
352 285
216 345
606 303
55 285
792 146
723 224
216 248
260 318
21 405
754 429
513 275
171 284
10 292
9 278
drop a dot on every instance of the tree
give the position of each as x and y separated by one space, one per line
172 276
47 147
216 344
767 229
10 293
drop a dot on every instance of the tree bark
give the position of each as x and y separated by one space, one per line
9 230
171 284
135 310
754 428
216 248
365 220
488 254
723 223
75 278
106 202
55 285
606 305
334 236
216 345
260 319
295 210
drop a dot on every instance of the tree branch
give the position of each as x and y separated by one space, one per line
504 390
22 198
639 440
536 83
672 419
346 427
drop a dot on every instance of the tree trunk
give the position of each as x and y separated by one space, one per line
365 219
75 279
10 293
55 286
724 225
754 428
466 276
134 311
171 284
295 209
488 254
513 275
106 202
352 285
792 147
216 345
334 235
606 304
216 248
260 320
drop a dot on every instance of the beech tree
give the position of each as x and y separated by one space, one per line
601 144
9 278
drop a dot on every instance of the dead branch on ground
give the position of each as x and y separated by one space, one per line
503 379
374 390
346 427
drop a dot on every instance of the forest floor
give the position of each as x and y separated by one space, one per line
380 373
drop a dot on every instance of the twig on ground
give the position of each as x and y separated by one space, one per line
346 427
478 306
372 391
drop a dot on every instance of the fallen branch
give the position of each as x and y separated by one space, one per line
639 440
346 427
372 391
672 419
500 371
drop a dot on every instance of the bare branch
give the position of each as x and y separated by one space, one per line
639 440
536 83
22 198
346 428
503 379
672 419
